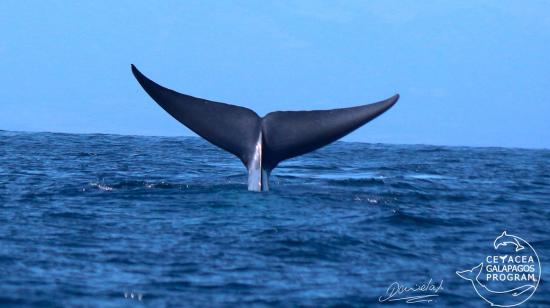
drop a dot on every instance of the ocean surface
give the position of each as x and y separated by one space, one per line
109 220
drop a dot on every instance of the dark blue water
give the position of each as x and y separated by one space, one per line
97 219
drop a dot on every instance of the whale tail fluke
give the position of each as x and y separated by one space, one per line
261 143
471 274
288 134
232 128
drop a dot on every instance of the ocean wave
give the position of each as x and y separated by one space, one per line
86 218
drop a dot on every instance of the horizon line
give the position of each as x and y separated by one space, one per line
345 141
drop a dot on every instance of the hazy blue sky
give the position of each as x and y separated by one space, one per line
469 72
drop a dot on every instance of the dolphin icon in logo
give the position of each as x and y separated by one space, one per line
261 142
504 239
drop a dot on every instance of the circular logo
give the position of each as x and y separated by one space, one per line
509 276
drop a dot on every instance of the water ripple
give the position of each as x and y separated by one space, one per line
91 219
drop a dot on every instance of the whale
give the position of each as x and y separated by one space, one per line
261 143
517 295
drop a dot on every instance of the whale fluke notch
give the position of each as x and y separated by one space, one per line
261 143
